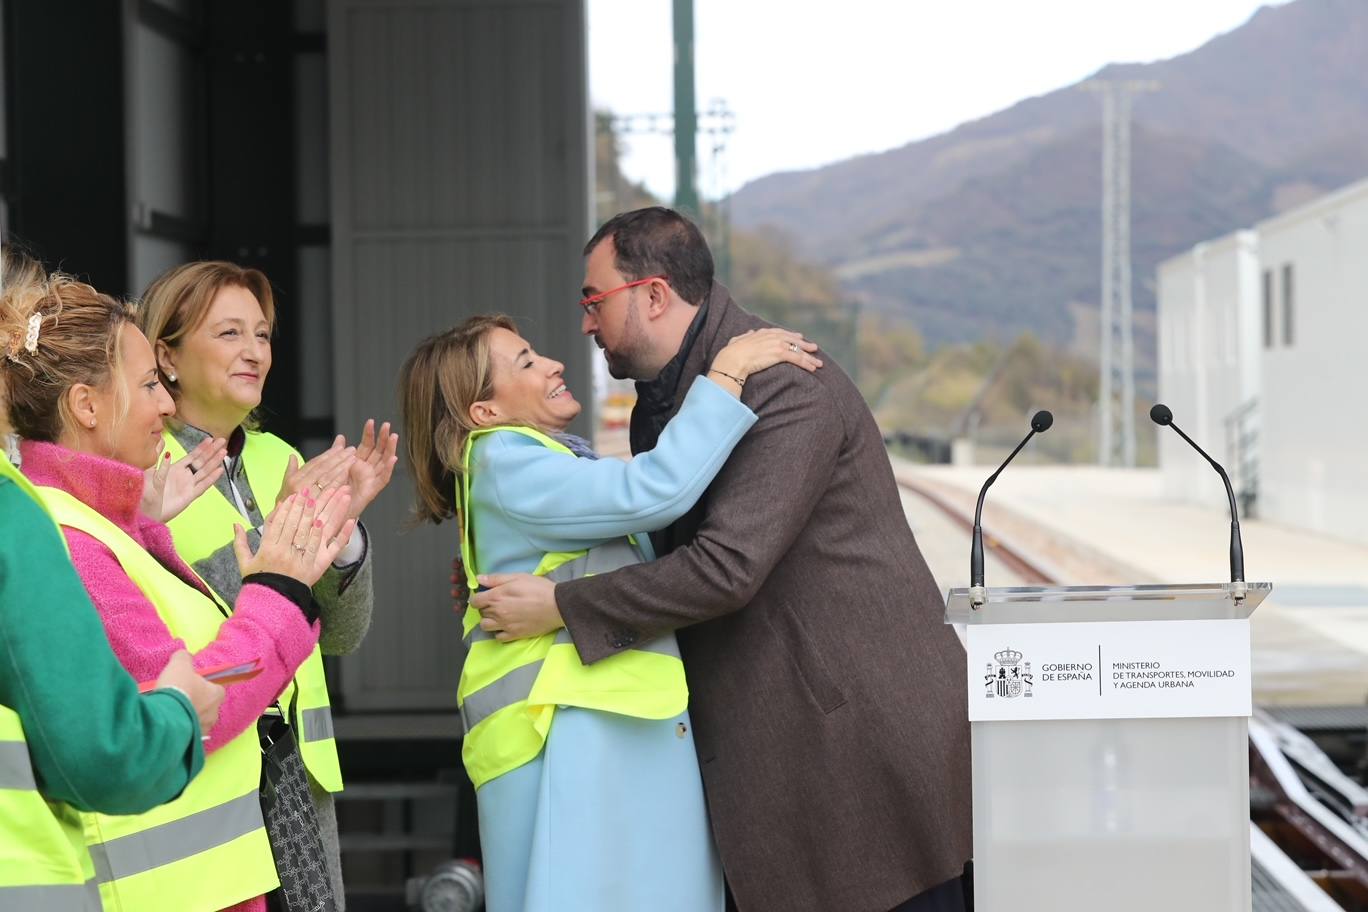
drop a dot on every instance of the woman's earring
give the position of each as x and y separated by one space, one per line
171 377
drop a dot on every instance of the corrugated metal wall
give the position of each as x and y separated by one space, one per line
460 185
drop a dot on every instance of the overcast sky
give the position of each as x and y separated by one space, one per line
814 82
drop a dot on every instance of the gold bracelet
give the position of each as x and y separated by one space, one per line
737 380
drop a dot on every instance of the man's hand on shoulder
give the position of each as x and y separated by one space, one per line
515 606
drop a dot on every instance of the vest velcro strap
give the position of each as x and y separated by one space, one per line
317 724
16 770
604 558
54 898
177 839
507 690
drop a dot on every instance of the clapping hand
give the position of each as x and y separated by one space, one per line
171 487
373 467
324 471
301 538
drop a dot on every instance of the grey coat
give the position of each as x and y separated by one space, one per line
828 698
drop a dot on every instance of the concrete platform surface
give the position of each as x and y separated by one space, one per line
1090 525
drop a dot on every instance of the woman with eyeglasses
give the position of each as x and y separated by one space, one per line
586 778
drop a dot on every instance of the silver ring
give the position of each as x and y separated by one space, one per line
793 347
300 548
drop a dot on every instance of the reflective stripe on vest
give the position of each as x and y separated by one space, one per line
15 769
517 684
73 898
317 725
602 559
127 856
207 848
43 860
509 692
206 526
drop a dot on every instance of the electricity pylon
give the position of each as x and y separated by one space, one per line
1116 398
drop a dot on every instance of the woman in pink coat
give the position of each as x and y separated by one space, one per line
83 394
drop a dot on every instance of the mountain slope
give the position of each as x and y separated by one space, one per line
994 225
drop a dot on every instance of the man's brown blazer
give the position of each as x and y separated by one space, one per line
828 698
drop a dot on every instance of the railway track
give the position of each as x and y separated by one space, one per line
1308 820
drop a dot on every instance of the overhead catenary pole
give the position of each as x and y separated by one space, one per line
717 122
1116 394
1107 319
685 111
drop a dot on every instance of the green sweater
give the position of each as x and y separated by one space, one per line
95 742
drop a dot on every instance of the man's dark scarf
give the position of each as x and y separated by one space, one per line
656 398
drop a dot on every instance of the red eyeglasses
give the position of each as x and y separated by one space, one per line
591 303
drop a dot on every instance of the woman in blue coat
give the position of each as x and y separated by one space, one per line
589 793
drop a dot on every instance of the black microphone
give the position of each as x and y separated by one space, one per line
1162 415
1040 423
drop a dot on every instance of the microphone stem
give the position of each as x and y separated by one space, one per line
976 547
1236 546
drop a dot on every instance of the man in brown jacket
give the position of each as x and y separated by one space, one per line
828 698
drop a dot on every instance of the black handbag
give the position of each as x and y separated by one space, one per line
292 824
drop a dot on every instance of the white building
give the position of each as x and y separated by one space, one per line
1209 362
1293 295
1313 462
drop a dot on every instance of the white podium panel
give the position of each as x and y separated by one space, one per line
1123 815
1116 814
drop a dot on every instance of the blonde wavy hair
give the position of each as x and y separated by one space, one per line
17 270
440 380
55 332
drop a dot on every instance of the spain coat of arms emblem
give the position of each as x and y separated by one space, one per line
1008 676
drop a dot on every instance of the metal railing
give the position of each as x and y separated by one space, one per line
1242 455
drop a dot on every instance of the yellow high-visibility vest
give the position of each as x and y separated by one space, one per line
7 470
207 849
509 692
44 865
206 526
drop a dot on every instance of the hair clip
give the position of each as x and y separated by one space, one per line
31 340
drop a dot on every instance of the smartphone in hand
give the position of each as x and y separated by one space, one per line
228 673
